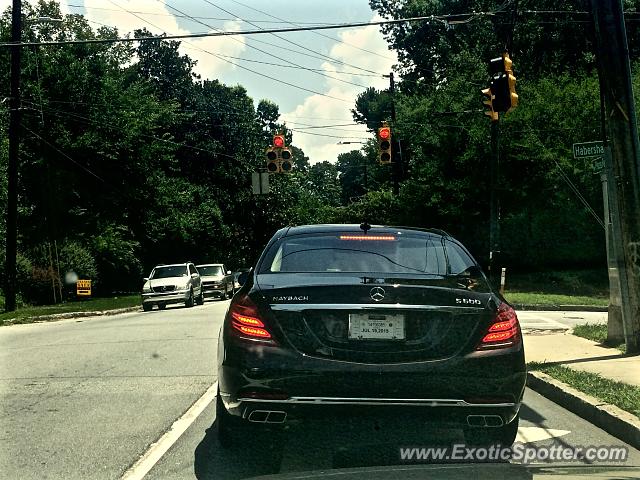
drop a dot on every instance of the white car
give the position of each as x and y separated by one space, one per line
176 283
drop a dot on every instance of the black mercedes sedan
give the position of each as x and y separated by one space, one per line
364 320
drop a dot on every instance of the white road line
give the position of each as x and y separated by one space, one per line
157 450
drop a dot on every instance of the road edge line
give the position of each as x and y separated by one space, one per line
613 420
156 450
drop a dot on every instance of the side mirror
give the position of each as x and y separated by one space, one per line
228 272
194 275
242 278
145 279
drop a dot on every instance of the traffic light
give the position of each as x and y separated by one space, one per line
273 165
384 145
278 141
488 101
503 85
279 157
285 164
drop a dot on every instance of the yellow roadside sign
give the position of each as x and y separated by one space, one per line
83 288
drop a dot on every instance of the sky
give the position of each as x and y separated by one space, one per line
344 62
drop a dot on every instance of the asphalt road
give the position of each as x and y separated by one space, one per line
86 398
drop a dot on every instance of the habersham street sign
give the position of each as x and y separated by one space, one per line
588 149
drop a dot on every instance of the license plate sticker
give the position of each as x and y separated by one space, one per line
370 326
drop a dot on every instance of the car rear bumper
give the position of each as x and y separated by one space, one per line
443 391
448 412
214 291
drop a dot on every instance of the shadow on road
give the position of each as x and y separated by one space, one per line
321 445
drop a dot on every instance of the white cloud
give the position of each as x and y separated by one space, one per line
161 20
320 110
155 12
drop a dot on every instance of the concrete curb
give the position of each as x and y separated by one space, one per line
609 418
67 315
561 308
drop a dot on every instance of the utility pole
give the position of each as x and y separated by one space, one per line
613 53
494 203
395 160
12 171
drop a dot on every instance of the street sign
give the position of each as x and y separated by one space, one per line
597 164
260 183
83 288
588 149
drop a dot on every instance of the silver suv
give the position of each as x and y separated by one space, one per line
177 283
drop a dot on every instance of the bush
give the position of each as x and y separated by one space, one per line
74 257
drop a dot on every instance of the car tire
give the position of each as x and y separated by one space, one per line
147 307
504 435
189 302
162 306
200 300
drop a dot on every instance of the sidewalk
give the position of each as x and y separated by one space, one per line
579 353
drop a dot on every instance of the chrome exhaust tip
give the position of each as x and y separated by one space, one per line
267 416
476 421
491 421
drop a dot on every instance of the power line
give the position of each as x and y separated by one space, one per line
88 7
296 24
120 129
297 44
265 52
46 142
229 33
241 66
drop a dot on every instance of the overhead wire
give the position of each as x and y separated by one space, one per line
238 65
316 33
263 51
226 33
157 14
327 57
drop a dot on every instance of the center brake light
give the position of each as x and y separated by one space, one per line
375 238
245 320
504 332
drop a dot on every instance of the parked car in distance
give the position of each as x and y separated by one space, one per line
217 281
176 283
337 321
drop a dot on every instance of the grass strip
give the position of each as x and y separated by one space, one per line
533 298
622 395
596 333
27 314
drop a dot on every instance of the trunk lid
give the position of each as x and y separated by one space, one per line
374 319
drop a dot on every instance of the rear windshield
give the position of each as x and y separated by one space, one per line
210 271
396 253
167 272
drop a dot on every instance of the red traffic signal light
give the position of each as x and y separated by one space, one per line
384 145
278 141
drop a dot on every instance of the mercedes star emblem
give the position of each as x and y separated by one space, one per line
377 294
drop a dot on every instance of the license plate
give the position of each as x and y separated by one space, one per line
373 326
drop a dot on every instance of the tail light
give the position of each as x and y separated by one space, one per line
504 332
246 321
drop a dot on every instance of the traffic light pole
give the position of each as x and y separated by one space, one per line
494 204
613 54
12 170
395 159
